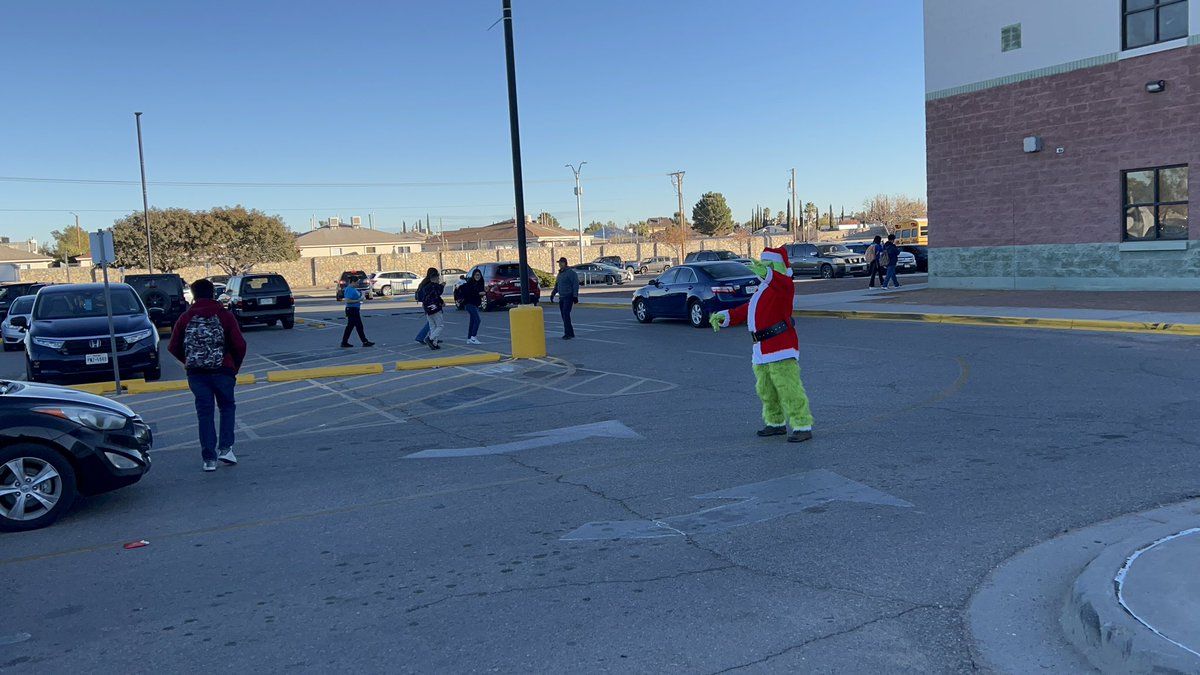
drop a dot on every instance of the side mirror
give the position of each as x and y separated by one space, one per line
20 322
157 312
463 277
656 283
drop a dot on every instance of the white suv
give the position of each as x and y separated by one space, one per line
388 283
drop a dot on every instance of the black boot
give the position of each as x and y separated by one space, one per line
772 431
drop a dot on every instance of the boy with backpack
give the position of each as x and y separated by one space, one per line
208 342
874 268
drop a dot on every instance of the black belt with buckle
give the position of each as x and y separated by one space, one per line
772 331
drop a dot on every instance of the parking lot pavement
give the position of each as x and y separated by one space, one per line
455 520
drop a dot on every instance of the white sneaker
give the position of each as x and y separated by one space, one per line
227 456
210 465
473 341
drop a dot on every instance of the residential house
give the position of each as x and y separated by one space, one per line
333 240
504 235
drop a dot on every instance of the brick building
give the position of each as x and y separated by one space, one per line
1060 135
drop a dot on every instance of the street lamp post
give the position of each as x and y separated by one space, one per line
578 205
145 200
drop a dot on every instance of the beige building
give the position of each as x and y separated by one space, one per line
23 260
351 240
504 235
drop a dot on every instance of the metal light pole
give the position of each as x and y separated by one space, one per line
67 257
145 200
578 205
518 186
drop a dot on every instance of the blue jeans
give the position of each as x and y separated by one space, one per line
473 328
206 388
891 276
424 332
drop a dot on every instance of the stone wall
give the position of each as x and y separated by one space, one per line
1095 267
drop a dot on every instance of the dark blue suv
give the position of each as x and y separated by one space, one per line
68 333
694 291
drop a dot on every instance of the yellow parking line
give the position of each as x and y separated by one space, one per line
464 360
329 371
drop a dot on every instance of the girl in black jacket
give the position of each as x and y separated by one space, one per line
429 294
471 292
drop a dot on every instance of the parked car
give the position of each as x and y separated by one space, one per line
906 262
14 290
715 256
357 278
389 283
261 298
825 260
68 333
14 336
56 443
657 264
920 253
595 273
617 262
502 284
220 282
164 291
693 291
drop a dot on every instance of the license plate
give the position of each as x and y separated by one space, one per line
266 301
95 359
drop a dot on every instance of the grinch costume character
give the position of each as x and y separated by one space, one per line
768 316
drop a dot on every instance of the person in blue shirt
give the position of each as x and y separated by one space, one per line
354 299
893 256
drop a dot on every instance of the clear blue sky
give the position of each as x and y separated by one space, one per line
414 93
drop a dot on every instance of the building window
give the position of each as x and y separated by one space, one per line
1148 22
1156 203
335 251
403 249
370 249
1010 37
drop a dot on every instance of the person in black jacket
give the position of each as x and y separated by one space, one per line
892 253
471 293
429 294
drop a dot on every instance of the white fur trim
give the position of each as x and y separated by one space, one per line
771 256
760 358
724 314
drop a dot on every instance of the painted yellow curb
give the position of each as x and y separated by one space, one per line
1010 321
464 360
141 387
105 387
164 330
330 371
300 320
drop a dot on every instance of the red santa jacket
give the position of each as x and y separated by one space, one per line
771 303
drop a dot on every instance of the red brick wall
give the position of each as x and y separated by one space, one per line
985 191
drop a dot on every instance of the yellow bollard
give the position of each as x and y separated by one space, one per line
528 332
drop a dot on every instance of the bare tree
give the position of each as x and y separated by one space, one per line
890 211
677 238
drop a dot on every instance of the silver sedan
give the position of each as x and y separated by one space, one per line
14 336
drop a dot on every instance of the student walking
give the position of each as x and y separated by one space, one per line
891 255
471 293
874 269
208 342
354 299
429 294
566 287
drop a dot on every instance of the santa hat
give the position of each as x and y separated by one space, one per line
776 255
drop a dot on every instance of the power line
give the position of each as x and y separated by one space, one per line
415 184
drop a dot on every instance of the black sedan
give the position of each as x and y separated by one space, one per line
56 443
694 291
68 336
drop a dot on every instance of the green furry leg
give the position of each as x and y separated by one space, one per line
785 391
772 413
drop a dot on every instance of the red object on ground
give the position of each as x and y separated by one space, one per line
136 544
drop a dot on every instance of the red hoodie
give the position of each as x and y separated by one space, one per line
235 344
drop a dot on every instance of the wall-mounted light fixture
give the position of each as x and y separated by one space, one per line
1156 86
1032 144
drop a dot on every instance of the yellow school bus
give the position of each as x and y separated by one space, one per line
913 231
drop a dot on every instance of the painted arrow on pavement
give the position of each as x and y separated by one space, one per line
760 502
538 439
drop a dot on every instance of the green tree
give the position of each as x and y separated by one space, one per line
548 219
640 228
245 238
593 227
179 238
69 242
712 216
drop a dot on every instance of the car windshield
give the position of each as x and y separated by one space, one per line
727 255
86 304
10 292
264 285
833 248
21 305
728 270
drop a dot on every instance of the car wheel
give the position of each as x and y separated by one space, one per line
37 485
666 267
289 322
641 312
826 271
610 280
697 315
271 322
10 348
152 375
29 376
642 271
386 291
338 296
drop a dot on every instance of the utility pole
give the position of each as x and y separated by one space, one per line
514 130
145 200
578 205
677 181
792 185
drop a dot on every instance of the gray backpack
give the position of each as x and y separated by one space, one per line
204 343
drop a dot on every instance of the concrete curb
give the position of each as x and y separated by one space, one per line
328 371
447 361
1111 638
1008 321
140 387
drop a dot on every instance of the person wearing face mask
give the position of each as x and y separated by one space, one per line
429 294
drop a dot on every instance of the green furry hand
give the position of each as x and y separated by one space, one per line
714 320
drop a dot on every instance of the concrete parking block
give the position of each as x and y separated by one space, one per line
105 387
330 371
446 361
142 387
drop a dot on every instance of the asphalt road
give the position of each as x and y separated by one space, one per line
940 452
